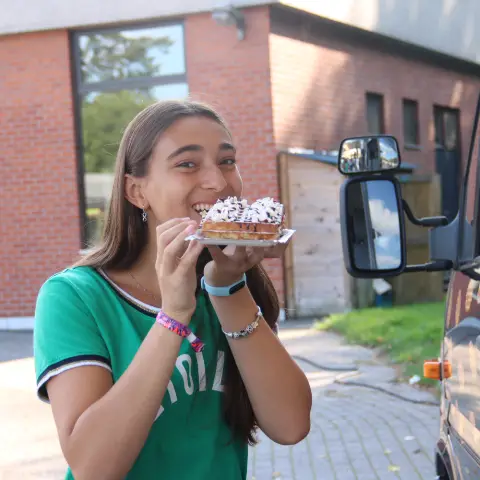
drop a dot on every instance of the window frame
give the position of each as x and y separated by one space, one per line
405 103
380 97
124 83
80 89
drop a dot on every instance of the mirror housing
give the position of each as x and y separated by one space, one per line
372 227
369 154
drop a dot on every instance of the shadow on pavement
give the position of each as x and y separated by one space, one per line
15 345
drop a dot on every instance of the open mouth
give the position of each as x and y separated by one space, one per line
202 208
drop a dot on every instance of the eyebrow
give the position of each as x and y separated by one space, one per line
198 148
227 146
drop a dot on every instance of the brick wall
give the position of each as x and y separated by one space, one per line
39 218
319 83
235 78
38 196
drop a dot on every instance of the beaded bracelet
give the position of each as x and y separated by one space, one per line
180 329
248 329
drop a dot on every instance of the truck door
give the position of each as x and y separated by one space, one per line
462 348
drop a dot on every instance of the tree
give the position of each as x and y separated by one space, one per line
104 118
114 56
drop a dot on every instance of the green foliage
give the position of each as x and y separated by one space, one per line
104 120
114 56
409 334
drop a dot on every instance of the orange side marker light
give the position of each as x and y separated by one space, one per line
433 369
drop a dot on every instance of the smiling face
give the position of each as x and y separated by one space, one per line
193 164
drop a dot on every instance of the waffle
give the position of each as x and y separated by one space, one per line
235 219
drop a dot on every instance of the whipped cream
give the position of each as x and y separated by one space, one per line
266 210
231 209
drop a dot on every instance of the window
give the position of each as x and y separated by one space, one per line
411 134
447 127
448 158
119 73
375 124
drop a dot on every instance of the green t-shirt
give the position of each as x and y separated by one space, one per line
82 318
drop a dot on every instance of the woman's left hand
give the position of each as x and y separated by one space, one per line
228 265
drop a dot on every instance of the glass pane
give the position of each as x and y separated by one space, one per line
146 52
410 122
374 114
438 118
104 118
451 130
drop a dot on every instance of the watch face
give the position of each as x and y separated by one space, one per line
237 287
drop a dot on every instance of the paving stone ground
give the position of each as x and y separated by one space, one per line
357 433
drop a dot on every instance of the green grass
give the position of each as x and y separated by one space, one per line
408 334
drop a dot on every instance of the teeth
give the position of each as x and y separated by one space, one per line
202 206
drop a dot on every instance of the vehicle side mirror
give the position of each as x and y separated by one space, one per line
373 227
377 153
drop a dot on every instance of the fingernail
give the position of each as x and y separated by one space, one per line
190 229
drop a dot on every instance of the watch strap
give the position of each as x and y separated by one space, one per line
225 291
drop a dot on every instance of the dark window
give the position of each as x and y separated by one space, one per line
448 157
447 125
411 134
118 73
375 124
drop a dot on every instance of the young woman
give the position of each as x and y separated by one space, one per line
131 395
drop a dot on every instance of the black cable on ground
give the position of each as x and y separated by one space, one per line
362 384
324 367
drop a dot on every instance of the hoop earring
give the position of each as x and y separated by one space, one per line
144 215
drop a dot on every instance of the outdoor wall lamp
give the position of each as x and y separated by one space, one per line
230 15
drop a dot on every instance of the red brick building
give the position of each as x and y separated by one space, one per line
296 79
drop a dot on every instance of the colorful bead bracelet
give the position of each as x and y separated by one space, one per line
181 330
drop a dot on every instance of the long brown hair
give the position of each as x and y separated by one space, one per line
125 235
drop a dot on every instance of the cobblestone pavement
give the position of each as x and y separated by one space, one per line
357 433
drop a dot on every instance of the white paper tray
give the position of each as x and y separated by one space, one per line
284 238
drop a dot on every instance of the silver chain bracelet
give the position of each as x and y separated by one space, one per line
248 329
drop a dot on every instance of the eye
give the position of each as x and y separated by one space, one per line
187 165
228 161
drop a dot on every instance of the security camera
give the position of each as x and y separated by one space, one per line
224 16
229 15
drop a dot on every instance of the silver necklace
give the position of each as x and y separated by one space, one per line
143 288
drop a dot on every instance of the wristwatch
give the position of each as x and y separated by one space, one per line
224 291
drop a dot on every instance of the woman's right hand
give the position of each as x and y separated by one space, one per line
175 266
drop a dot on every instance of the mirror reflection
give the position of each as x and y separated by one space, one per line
368 154
374 225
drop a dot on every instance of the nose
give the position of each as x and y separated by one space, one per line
213 179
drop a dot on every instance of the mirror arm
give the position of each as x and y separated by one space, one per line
438 266
424 222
